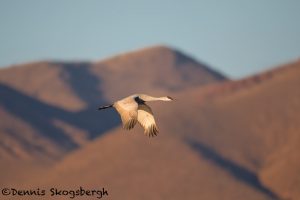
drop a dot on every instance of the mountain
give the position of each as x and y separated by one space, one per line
220 139
231 140
48 109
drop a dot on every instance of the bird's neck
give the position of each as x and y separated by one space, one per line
150 98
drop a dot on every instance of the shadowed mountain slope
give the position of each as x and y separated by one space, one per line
57 101
253 122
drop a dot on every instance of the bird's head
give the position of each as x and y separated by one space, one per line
168 98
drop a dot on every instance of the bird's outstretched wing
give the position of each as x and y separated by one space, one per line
146 120
127 108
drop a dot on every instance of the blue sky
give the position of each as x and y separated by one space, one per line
238 37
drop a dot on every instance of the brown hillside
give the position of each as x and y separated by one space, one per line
130 166
229 144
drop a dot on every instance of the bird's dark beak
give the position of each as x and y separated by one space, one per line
171 98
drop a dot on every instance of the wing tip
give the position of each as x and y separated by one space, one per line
151 131
130 124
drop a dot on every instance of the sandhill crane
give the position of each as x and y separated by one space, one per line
133 109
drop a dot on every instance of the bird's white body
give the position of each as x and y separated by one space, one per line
133 109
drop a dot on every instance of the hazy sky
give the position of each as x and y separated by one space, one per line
237 37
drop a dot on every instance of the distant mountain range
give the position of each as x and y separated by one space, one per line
221 139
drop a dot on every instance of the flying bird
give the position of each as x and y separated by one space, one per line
134 109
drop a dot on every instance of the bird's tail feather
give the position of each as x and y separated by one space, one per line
104 107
